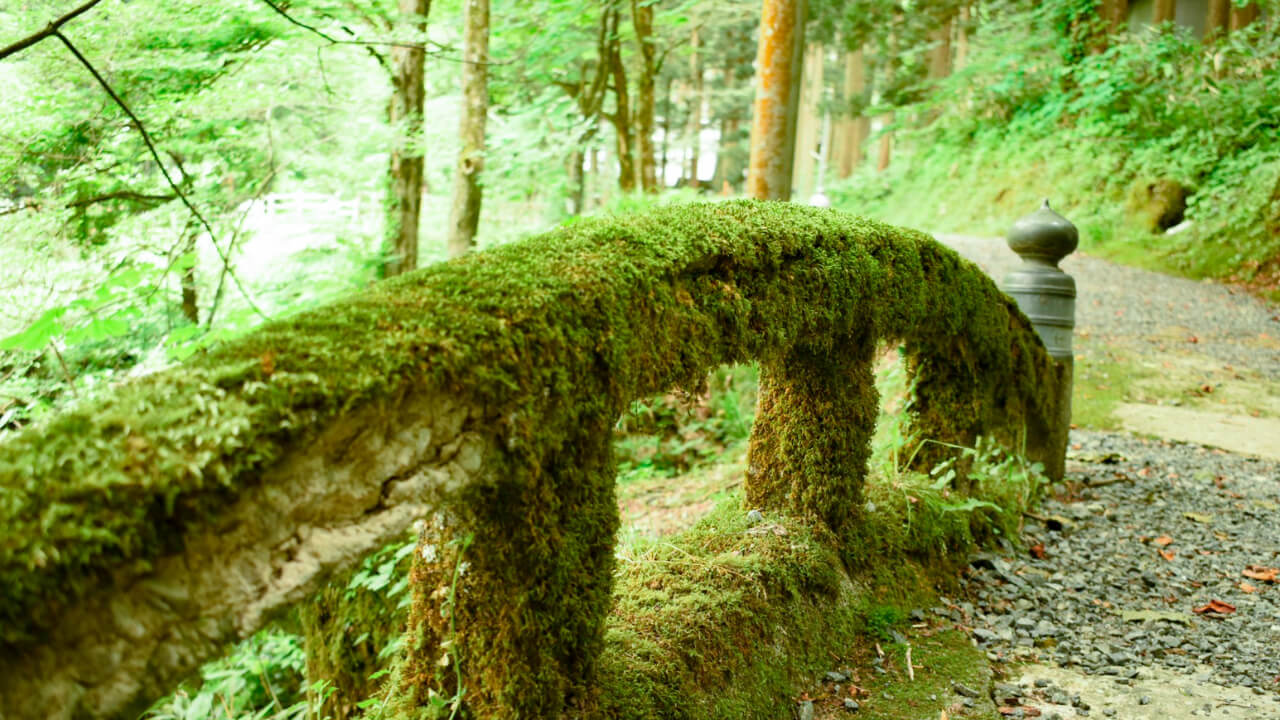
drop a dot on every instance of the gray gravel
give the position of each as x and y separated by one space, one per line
1132 306
1104 599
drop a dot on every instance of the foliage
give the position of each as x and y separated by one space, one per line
1085 123
261 679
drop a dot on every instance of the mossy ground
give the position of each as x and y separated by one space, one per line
730 619
940 658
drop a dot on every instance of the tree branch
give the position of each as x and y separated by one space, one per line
50 30
380 43
155 155
120 195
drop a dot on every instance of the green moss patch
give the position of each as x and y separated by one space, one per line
940 658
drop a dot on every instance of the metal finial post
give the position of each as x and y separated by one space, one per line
1047 296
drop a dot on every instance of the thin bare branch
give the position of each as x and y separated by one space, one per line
49 31
381 43
155 155
120 195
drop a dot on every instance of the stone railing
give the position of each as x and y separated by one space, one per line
146 530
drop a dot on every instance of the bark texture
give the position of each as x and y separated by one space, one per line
1115 13
940 52
404 113
781 25
1163 11
464 216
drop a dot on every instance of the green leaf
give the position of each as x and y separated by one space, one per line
38 334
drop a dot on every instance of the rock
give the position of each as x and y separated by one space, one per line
835 676
964 690
850 705
806 710
983 635
1144 700
755 517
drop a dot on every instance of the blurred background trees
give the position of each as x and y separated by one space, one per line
321 142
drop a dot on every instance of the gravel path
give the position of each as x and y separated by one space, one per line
1166 563
1131 306
1120 570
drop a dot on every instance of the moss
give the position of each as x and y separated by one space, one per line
552 337
1157 205
732 620
940 658
350 631
723 621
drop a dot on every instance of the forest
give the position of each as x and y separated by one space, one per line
176 176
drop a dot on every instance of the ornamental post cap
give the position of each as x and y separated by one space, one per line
1043 235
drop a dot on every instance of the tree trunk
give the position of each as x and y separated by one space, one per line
940 52
1163 11
666 134
404 114
853 129
694 130
464 216
642 21
1115 14
620 118
577 181
190 304
886 120
962 38
1242 16
807 124
1217 20
728 164
781 32
886 143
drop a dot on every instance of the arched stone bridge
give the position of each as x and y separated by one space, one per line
146 530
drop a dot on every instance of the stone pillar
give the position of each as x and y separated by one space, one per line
1047 296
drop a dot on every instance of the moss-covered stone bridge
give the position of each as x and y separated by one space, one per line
145 531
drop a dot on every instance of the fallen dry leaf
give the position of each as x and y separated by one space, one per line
1163 540
1257 572
1038 551
1246 587
1216 606
1168 555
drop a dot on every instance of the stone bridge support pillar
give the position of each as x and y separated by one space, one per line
1047 296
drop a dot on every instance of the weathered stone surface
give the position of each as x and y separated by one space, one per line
330 502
